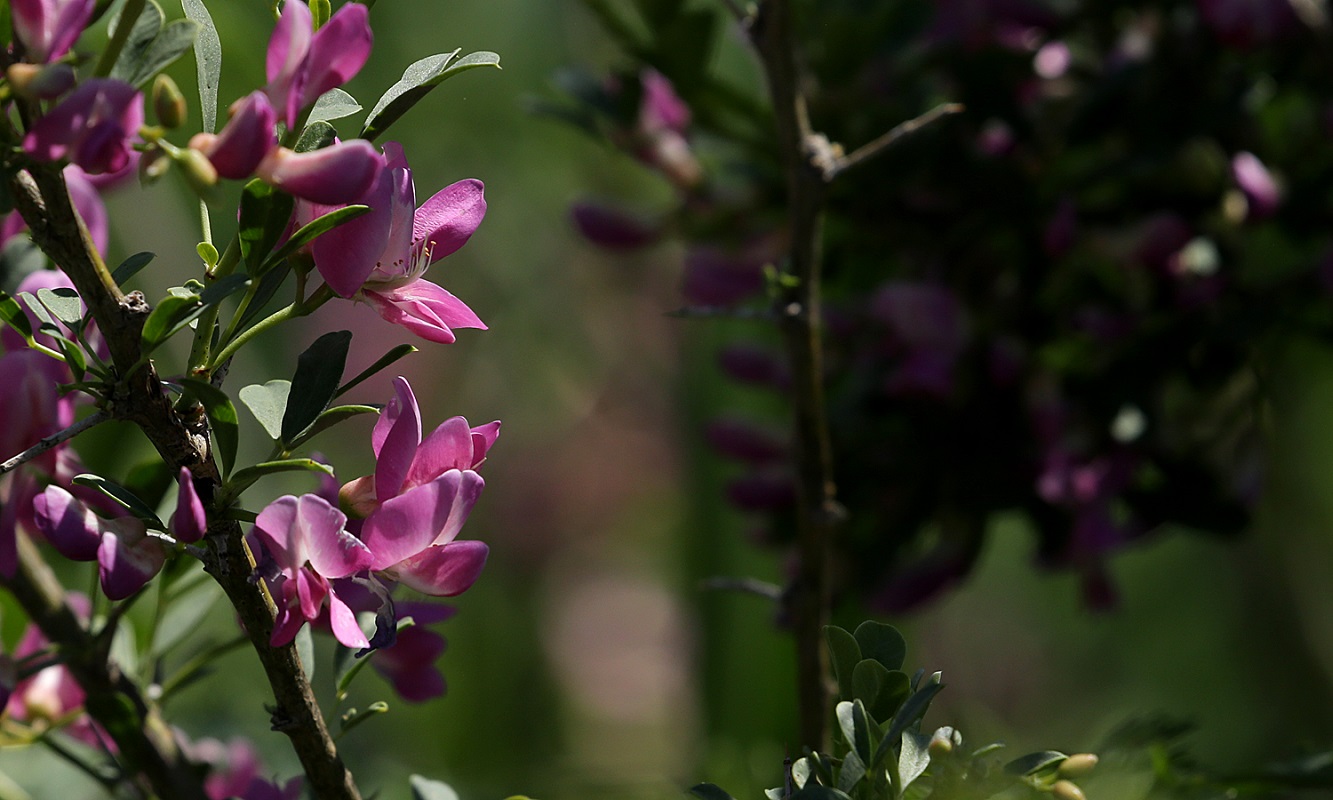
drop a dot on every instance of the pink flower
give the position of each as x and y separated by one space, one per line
1262 192
48 28
382 255
236 768
409 663
420 496
306 539
127 557
189 521
243 142
92 127
51 694
301 64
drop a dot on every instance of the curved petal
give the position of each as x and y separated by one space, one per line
424 309
331 551
343 622
338 50
285 62
395 440
340 173
244 141
447 447
483 439
70 526
346 255
127 558
274 527
396 263
424 515
444 570
447 220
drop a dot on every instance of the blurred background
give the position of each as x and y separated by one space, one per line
589 661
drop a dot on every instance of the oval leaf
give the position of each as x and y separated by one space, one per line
417 81
319 370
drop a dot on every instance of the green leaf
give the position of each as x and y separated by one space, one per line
1034 763
265 212
39 310
207 60
309 231
913 759
223 288
908 715
267 402
184 615
881 642
417 81
166 318
710 791
131 266
305 650
855 727
880 689
63 303
221 416
853 770
816 791
427 789
246 477
12 315
845 654
74 358
334 104
318 371
384 361
315 136
268 286
124 497
152 46
328 419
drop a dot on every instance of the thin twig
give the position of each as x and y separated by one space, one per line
754 586
883 143
54 439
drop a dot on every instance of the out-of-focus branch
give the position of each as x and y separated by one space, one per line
48 442
43 200
884 142
143 740
799 307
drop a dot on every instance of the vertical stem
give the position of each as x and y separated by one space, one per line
800 313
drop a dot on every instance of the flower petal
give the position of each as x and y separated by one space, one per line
447 447
331 551
432 513
340 173
483 439
343 622
244 141
127 558
275 528
448 219
346 255
285 62
425 309
395 443
338 50
444 570
70 526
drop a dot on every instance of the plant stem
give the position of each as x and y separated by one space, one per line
799 310
53 440
124 24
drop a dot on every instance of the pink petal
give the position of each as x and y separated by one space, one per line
425 309
244 141
285 61
448 219
483 439
339 174
274 527
447 447
108 112
338 51
396 262
432 513
343 622
444 570
70 526
127 558
48 28
395 444
189 521
346 255
331 551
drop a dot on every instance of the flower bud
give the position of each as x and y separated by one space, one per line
198 171
168 102
1067 790
941 744
1077 765
40 82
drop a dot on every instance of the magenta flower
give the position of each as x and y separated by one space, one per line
420 496
302 64
382 255
93 127
306 539
48 28
189 521
127 557
1262 193
409 663
235 772
248 136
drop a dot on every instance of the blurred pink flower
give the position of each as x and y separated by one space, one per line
92 127
48 28
1261 190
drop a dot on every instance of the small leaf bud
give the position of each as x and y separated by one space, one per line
168 102
1067 790
941 744
1077 765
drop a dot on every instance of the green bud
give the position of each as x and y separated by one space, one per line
320 10
1067 790
198 171
153 165
168 102
1077 765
